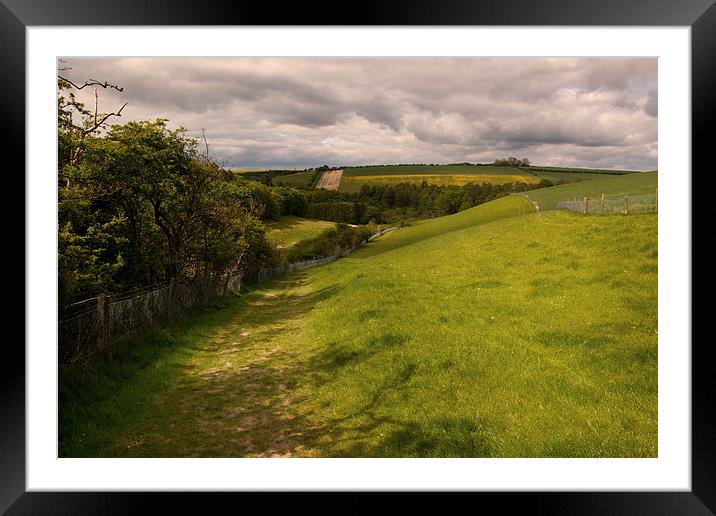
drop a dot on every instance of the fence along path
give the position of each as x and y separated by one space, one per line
89 327
624 204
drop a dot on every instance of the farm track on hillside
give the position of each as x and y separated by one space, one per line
330 180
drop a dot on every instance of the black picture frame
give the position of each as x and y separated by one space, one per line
16 15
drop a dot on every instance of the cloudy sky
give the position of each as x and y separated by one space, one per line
297 113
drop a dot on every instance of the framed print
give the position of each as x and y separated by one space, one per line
441 249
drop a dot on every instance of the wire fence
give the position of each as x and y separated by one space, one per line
88 328
623 204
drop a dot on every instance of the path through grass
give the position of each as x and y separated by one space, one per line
530 336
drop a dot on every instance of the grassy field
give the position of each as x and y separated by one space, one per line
465 336
354 178
295 180
501 208
629 184
289 230
608 171
570 176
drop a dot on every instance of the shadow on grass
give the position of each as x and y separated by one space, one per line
232 397
226 383
369 432
100 405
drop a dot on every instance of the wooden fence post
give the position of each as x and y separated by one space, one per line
626 205
601 205
102 321
656 197
586 205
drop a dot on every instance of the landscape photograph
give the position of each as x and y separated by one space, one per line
355 257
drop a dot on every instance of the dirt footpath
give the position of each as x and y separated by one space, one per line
330 180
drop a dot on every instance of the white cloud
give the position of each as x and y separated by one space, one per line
289 112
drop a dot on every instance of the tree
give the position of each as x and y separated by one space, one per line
142 205
73 133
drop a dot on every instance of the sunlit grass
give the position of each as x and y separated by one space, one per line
289 230
465 336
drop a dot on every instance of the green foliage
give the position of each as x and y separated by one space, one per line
512 162
330 242
140 206
293 202
391 203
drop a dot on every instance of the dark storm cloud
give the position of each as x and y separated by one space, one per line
271 112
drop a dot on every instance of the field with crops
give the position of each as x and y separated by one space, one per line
611 186
354 183
354 178
384 170
494 332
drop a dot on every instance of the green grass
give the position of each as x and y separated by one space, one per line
465 336
580 170
629 184
289 230
569 176
503 207
100 403
295 180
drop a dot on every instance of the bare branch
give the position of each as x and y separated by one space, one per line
206 145
63 68
91 82
102 120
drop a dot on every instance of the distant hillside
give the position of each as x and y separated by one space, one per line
627 184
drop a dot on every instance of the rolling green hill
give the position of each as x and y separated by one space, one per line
629 184
499 208
494 332
501 339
